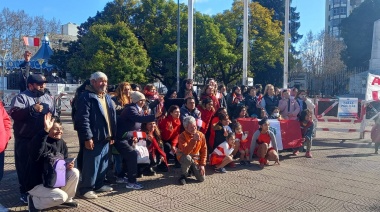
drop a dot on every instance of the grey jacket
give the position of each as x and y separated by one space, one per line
27 122
256 136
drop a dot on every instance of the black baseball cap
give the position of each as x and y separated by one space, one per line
36 78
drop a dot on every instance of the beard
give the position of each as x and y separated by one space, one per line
38 93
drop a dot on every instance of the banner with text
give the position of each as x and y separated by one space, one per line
373 88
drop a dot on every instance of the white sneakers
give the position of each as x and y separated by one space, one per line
105 188
90 195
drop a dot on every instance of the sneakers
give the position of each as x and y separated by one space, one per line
308 154
221 170
90 195
31 207
135 186
70 203
24 198
105 188
121 180
182 180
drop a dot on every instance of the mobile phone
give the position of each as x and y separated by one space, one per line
69 160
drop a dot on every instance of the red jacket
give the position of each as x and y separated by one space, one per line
206 116
211 139
5 128
168 134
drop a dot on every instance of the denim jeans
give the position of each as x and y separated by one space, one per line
2 165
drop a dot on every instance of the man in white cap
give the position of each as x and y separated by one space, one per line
95 121
130 120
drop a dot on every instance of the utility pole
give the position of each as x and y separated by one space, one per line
190 54
286 45
245 44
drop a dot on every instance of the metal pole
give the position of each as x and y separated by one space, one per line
190 41
245 43
286 44
178 45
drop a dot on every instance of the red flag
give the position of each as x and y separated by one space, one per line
31 41
291 134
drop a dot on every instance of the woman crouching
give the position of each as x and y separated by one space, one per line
264 144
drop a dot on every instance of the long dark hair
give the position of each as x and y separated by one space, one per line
156 132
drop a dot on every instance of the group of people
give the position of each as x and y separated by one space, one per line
141 131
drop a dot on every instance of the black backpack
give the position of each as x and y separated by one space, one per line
54 174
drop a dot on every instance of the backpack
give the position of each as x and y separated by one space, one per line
54 173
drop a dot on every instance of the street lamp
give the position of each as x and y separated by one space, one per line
40 61
2 56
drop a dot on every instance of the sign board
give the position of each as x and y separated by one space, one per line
373 88
55 88
348 108
250 81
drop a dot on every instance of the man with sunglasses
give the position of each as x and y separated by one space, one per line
27 111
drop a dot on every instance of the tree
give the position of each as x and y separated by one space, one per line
266 41
113 49
278 6
153 24
357 31
213 53
14 25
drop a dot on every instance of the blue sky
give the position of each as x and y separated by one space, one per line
77 11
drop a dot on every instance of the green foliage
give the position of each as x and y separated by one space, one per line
357 32
278 7
266 41
113 49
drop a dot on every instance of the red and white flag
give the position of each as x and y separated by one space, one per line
201 124
138 134
287 132
31 41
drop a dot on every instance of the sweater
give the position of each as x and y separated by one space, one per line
196 149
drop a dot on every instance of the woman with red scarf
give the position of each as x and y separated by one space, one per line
154 144
207 110
170 128
264 145
209 92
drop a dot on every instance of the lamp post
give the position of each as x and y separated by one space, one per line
178 44
40 61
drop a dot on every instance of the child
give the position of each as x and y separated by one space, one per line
307 127
276 114
241 137
222 129
221 156
375 134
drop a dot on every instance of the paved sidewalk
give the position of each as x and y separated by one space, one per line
342 176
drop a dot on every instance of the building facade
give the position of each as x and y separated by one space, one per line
336 11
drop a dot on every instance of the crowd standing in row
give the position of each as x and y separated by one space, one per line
141 132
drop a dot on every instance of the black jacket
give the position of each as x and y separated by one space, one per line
40 145
130 120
